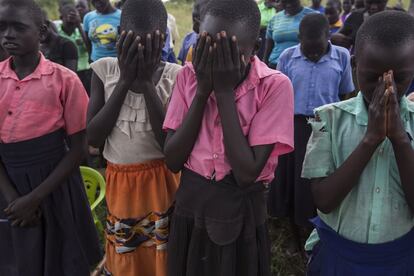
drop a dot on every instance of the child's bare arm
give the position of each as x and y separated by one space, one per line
102 116
329 192
179 144
26 206
228 70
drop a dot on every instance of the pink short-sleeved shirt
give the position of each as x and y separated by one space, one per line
265 105
50 98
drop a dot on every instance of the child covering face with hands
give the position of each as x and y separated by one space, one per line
229 119
126 112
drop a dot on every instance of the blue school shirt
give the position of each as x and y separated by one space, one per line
317 84
167 53
321 9
283 29
189 41
102 30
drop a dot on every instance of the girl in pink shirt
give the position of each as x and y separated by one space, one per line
46 227
229 119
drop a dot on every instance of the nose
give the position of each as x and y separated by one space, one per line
9 33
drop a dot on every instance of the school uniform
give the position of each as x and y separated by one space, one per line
371 231
140 189
36 116
315 84
219 227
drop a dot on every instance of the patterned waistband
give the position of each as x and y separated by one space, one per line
136 167
128 234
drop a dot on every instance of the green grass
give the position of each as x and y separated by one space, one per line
182 12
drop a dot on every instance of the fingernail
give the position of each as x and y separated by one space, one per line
139 38
123 32
218 36
130 32
234 38
215 45
157 32
204 33
223 33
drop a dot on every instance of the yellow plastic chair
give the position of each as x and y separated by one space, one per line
94 183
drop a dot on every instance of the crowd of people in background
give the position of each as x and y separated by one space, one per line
310 120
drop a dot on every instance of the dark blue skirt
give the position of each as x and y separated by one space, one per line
337 256
66 242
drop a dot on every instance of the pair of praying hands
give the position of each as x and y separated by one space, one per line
384 112
139 57
218 64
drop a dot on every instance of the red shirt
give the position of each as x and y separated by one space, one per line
50 98
265 105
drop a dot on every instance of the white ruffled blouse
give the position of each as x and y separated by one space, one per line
132 139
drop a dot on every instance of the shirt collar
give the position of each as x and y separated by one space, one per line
332 54
43 68
358 108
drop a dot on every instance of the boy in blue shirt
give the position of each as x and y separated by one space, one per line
101 26
320 73
360 158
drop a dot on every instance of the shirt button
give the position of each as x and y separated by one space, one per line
378 190
18 88
381 151
215 156
10 113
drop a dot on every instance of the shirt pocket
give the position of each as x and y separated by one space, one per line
331 89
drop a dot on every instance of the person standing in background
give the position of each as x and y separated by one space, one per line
347 7
71 28
317 6
267 11
102 26
190 40
332 12
57 48
83 8
345 37
283 29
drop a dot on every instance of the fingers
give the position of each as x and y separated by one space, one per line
219 50
199 49
132 51
120 43
157 46
210 57
141 57
204 57
148 49
227 57
235 52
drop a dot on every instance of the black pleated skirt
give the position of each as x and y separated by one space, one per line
66 241
290 195
218 229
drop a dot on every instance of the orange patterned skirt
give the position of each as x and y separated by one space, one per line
140 203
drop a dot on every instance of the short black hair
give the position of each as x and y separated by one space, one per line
35 12
245 11
313 26
64 7
144 16
386 29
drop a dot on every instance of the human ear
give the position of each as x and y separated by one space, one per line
43 32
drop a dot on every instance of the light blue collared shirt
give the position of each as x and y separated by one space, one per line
317 84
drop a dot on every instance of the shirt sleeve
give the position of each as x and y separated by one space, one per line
347 84
70 52
273 123
75 103
177 108
281 65
319 160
